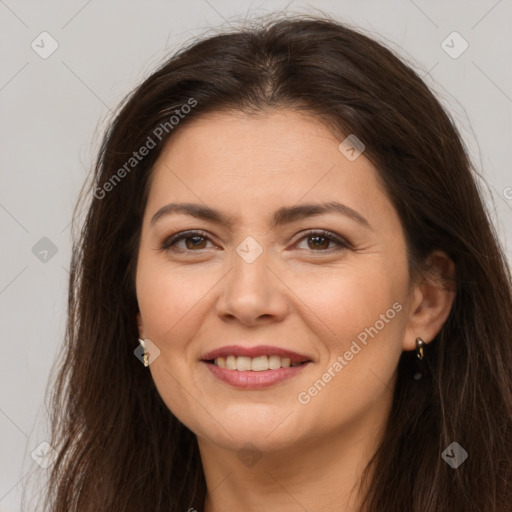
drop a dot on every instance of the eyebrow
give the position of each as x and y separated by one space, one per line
284 215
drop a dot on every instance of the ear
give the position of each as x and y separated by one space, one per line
432 299
140 326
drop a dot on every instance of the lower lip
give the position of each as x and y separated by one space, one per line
254 380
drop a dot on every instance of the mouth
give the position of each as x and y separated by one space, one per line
254 367
255 359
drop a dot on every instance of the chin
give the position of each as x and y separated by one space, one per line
271 433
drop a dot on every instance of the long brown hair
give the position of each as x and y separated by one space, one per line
120 448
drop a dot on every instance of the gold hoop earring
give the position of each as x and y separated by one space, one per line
420 344
146 353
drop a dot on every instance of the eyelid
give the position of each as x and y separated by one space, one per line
341 242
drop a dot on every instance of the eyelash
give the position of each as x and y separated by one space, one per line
169 243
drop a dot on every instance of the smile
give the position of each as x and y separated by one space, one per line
257 367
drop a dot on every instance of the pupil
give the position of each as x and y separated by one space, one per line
193 244
317 238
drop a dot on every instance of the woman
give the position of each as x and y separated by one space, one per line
286 220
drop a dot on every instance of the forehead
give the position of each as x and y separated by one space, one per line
241 142
253 162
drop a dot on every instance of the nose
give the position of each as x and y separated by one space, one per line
252 294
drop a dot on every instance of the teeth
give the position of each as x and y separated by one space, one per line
255 364
274 362
259 364
243 364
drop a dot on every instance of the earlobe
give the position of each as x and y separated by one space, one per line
432 300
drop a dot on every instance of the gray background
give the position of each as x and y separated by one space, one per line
54 110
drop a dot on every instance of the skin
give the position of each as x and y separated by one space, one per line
304 294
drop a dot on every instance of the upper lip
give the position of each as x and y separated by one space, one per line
257 351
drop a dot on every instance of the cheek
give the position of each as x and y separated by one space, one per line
362 315
363 321
171 298
343 302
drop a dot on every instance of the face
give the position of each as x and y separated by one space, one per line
259 261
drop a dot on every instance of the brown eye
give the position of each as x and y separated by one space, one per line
318 242
321 241
194 240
